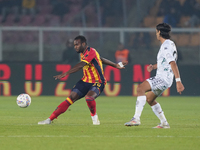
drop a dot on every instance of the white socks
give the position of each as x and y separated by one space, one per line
141 101
159 113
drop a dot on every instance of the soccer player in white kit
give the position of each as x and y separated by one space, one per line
166 70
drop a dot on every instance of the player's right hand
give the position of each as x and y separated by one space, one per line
59 76
150 68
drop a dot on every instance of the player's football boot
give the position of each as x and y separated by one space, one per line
95 120
133 122
162 125
47 121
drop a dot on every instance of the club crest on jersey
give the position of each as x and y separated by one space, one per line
83 57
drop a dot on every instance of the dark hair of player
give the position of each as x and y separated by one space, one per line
81 38
164 29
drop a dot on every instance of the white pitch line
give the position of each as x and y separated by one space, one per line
85 136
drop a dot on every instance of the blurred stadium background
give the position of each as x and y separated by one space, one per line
37 30
33 36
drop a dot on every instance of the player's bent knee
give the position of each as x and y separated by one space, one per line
92 94
74 96
149 101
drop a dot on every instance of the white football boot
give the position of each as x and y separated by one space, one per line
133 122
95 120
47 121
163 125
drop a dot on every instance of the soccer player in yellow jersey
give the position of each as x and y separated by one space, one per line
92 83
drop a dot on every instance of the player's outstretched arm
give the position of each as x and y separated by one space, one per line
179 85
110 63
76 68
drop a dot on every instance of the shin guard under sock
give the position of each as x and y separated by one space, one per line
141 101
91 104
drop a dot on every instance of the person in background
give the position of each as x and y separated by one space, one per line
69 54
194 13
172 17
28 7
122 54
171 10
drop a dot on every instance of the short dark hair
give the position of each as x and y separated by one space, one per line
81 38
164 29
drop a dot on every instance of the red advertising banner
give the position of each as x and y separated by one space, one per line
37 79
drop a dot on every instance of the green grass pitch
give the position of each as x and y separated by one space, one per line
73 130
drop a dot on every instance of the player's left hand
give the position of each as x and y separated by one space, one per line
179 86
124 63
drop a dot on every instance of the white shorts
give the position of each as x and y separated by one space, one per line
158 85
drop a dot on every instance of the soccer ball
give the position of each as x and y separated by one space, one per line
23 100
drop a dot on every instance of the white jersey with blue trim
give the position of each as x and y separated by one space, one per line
166 54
